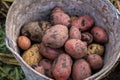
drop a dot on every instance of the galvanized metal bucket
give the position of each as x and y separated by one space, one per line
105 14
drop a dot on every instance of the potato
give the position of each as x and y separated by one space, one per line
72 18
33 31
96 49
99 35
47 65
57 9
32 55
74 33
48 52
56 36
87 37
45 25
76 48
23 42
95 61
39 69
61 68
83 23
58 16
81 70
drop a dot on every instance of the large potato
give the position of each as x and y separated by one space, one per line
81 70
83 23
99 35
47 64
32 55
33 31
56 36
61 68
50 53
76 48
58 16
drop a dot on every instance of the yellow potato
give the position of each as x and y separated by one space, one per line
96 49
32 55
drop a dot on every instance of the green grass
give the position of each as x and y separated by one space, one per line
8 71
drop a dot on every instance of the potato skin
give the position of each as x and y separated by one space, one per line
32 55
61 68
81 70
74 33
87 37
95 61
76 48
99 35
45 25
48 52
83 23
47 65
56 36
58 16
33 31
39 69
23 42
96 49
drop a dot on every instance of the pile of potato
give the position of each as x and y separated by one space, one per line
66 48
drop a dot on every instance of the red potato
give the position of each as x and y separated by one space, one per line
95 61
47 64
99 35
57 9
56 36
39 69
58 16
61 68
83 22
76 48
48 52
81 70
87 37
74 33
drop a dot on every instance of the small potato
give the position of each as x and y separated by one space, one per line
57 9
96 49
74 33
39 69
81 70
76 48
45 25
61 68
72 18
32 55
87 37
49 53
33 31
56 36
47 66
23 42
83 22
99 35
58 16
95 61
